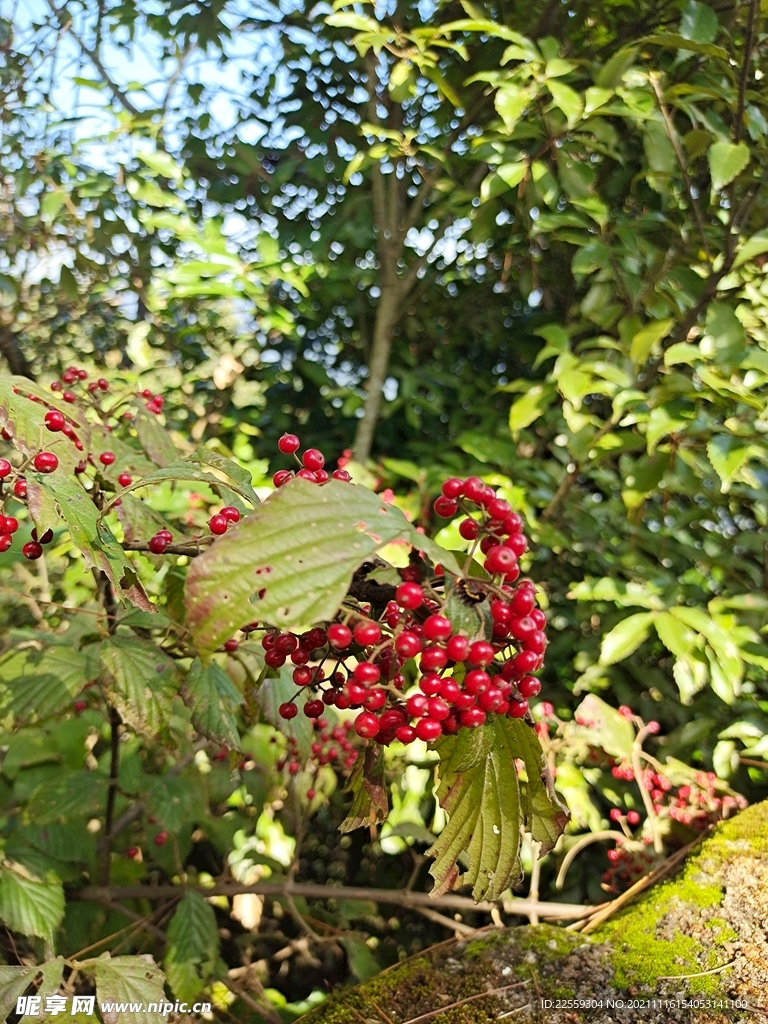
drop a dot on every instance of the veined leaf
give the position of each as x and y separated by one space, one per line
727 455
605 727
673 633
141 682
481 791
527 409
193 946
726 160
291 562
643 342
129 979
213 697
29 905
370 802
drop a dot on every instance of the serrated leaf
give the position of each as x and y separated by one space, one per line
52 974
212 697
472 618
13 982
299 551
193 946
29 905
603 726
141 682
625 638
481 791
129 979
726 160
236 478
661 422
155 439
366 783
727 455
174 800
36 685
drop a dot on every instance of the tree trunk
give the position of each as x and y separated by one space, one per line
387 315
700 937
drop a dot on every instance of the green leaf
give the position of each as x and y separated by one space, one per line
30 905
13 982
661 422
212 697
604 727
235 477
699 22
527 409
141 682
129 979
298 550
510 102
155 439
52 974
362 963
625 638
567 99
726 160
366 783
614 69
678 42
36 685
643 342
728 455
691 677
724 338
276 691
480 789
468 617
193 947
675 636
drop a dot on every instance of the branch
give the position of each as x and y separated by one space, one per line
392 897
65 21
672 134
748 47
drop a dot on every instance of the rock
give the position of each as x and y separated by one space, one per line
686 950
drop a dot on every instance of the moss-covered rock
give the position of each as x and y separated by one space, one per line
700 937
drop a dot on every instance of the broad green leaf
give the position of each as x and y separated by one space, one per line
52 974
682 352
129 979
612 72
572 784
174 800
661 422
193 946
567 99
604 727
291 562
511 101
646 339
645 475
727 454
469 617
625 638
235 477
673 41
674 634
513 173
724 338
30 905
625 595
754 246
723 681
527 409
275 691
362 962
691 677
726 160
141 681
212 697
699 22
368 786
155 439
481 792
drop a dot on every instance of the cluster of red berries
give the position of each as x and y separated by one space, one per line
311 464
628 861
14 485
366 662
332 746
217 524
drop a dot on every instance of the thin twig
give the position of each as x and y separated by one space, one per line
468 999
701 974
445 922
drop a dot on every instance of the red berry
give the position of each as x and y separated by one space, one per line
56 386
10 524
474 488
517 543
416 705
513 524
437 627
5 541
45 462
430 684
537 642
231 645
281 477
80 705
218 524
481 653
288 711
498 508
103 384
32 550
54 420
314 708
408 644
157 544
132 852
633 818
445 507
434 657
5 468
307 474
125 479
405 733
453 487
449 689
311 794
518 708
339 635
428 729
231 513
458 648
437 708
302 675
469 529
288 444
20 488
107 458
161 838
366 673
471 718
476 682
375 700
366 725
367 633
500 559
529 686
341 474
313 459
409 595
321 476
